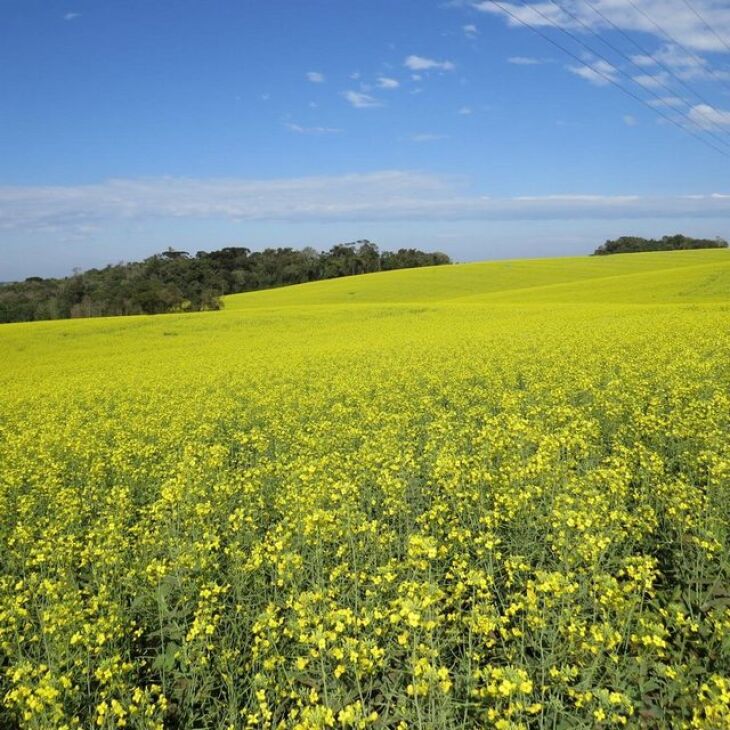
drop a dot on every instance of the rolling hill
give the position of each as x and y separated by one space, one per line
394 306
510 280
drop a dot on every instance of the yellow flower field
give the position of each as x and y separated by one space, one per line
489 495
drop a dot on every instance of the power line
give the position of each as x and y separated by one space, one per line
693 55
707 25
607 78
623 55
648 54
619 70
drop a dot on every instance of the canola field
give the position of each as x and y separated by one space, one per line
478 496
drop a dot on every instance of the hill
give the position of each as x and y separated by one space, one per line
174 281
510 280
390 305
481 495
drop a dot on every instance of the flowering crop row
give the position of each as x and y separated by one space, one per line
392 517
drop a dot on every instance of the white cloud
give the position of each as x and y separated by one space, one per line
384 195
652 81
315 77
643 61
524 61
706 116
630 120
672 23
71 16
465 111
668 101
419 63
386 83
599 73
686 66
310 130
360 100
673 16
428 137
470 30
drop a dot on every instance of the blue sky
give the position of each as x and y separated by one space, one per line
127 127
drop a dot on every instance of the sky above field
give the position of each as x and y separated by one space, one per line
481 128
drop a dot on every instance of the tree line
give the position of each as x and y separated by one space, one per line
175 281
678 242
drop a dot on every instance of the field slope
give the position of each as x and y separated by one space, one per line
510 279
482 495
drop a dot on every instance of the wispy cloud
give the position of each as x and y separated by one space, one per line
470 30
360 100
643 61
315 77
685 66
630 120
465 111
598 73
668 101
706 116
672 16
428 137
683 34
688 66
385 195
310 130
524 61
71 16
419 63
387 83
652 81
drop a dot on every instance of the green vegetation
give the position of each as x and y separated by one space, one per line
174 281
636 244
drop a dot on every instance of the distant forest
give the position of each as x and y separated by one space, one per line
175 281
636 244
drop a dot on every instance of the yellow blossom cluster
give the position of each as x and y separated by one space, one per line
443 508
